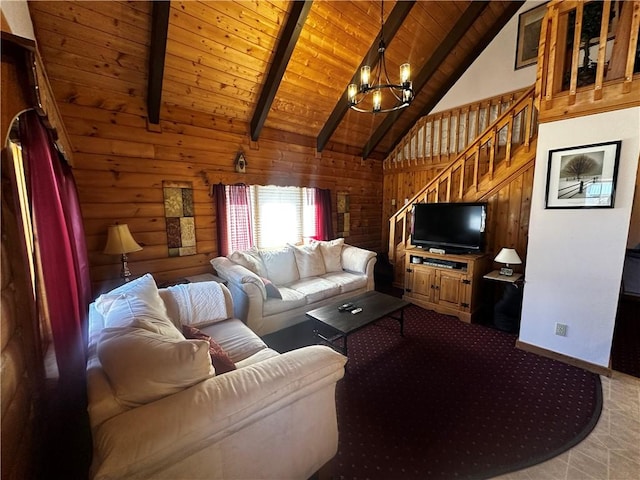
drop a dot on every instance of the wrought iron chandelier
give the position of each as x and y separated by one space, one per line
400 94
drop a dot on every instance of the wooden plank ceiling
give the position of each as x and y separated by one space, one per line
268 68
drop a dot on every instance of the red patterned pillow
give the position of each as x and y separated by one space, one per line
219 358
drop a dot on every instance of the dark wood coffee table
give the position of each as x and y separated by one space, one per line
375 305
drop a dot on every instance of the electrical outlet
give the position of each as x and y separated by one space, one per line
561 329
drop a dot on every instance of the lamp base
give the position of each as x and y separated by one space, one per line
507 272
125 273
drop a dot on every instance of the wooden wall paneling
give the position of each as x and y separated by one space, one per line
55 31
525 211
106 20
66 92
116 153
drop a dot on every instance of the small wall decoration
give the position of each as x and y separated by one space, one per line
343 214
529 26
241 162
179 215
583 177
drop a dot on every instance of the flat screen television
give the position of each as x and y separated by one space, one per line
453 227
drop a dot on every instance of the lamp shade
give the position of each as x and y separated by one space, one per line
508 256
119 240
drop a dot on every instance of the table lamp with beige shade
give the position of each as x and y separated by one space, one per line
120 242
508 256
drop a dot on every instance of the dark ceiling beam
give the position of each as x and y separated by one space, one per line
391 26
286 44
443 50
157 50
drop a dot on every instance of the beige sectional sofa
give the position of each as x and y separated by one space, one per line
273 288
161 407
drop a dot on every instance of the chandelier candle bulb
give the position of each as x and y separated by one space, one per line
352 91
377 100
405 74
365 75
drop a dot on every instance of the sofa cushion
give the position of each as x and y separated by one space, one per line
315 289
347 281
249 259
235 338
143 366
281 265
137 298
309 260
331 254
290 299
220 359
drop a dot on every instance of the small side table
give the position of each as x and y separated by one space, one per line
205 277
507 310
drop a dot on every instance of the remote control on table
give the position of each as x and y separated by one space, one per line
346 306
356 310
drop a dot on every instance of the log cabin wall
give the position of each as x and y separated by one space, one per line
120 161
120 167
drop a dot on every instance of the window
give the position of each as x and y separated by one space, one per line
282 215
269 216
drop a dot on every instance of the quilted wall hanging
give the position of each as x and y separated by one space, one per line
179 216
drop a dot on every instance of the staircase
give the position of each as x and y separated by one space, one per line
501 152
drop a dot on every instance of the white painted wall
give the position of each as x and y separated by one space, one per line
493 72
575 256
17 15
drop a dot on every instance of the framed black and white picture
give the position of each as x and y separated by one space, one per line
584 176
529 26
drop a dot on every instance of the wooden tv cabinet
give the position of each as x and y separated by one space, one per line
445 283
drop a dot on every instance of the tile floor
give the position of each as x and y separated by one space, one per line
611 451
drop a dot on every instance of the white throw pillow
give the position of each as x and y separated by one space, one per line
281 265
161 327
309 260
249 259
332 254
138 298
143 366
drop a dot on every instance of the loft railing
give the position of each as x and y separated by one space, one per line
440 137
588 58
490 153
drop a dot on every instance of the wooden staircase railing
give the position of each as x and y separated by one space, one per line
586 67
499 150
440 137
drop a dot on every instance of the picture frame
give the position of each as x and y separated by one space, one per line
583 176
529 26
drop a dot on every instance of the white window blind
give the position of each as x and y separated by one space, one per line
282 215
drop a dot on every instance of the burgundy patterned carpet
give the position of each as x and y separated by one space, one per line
453 400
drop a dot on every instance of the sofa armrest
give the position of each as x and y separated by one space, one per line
148 438
237 274
357 260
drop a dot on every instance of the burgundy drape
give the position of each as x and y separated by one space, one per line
233 211
324 222
60 240
222 228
